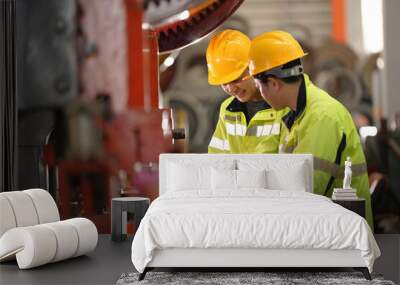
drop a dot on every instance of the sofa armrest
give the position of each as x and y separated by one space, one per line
41 244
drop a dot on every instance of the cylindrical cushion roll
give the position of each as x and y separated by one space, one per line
67 239
45 206
87 234
23 208
10 244
7 218
34 246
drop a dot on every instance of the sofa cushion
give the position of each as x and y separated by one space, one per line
7 218
23 208
45 206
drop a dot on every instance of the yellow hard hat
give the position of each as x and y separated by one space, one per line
273 49
227 56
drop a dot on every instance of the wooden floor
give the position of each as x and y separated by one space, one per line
110 259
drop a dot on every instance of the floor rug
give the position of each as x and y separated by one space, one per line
243 278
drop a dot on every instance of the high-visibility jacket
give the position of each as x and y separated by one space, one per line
233 134
323 127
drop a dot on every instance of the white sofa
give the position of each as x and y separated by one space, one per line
31 230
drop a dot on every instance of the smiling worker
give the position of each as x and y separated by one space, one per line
317 123
247 124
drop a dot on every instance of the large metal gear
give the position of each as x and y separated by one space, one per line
179 23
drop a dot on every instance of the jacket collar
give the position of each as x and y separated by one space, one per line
237 106
292 116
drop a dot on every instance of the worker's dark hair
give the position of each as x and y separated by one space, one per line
290 64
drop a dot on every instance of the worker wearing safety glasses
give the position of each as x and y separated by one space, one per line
247 124
317 123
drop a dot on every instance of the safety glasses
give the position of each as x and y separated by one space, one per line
262 77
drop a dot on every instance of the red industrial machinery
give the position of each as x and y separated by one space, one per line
96 155
165 26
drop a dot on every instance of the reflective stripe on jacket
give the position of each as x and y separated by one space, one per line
326 129
233 134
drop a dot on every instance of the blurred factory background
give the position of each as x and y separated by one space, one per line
104 86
